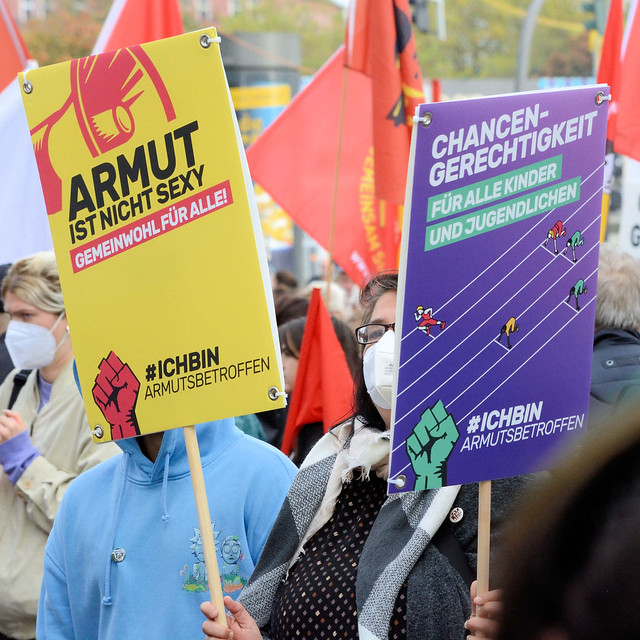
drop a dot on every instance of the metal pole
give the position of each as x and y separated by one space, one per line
441 19
524 49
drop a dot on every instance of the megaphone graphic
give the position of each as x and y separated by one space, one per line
104 90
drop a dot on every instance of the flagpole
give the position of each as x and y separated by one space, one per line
204 521
334 204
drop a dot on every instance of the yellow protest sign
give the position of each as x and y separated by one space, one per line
156 235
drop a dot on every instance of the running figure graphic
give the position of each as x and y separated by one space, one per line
554 233
507 329
426 319
576 240
577 290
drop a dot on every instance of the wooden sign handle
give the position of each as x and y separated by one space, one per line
484 537
204 520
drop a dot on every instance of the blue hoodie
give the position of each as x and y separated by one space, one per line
124 558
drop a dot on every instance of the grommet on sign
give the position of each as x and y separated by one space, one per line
399 482
206 40
98 431
118 554
456 514
601 97
425 120
27 87
274 393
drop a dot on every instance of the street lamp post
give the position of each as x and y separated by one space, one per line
524 48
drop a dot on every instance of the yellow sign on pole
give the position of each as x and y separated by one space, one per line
157 236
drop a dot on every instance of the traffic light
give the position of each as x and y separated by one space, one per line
598 12
420 14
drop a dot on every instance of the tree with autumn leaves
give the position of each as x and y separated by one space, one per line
482 35
68 32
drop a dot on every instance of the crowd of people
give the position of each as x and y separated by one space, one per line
102 541
344 559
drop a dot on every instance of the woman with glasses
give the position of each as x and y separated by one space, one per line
344 560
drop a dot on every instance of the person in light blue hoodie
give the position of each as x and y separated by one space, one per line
124 558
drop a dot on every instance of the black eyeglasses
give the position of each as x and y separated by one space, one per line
370 333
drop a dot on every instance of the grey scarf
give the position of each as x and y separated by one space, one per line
400 535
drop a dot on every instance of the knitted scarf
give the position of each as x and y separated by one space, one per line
412 518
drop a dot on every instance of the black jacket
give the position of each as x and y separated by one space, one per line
615 372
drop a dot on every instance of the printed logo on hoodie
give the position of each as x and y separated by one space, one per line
229 554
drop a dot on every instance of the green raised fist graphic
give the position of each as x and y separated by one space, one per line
430 445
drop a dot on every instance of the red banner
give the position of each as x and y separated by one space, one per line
627 140
13 52
294 160
609 67
136 21
380 44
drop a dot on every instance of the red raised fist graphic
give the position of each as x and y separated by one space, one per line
116 391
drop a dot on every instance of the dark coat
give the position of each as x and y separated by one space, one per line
615 372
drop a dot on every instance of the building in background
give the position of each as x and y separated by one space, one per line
209 10
23 10
202 10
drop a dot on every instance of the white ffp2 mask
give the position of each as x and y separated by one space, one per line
31 346
377 366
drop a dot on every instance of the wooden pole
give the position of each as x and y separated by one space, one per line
336 179
484 534
484 537
204 520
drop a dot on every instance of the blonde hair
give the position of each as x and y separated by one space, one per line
35 280
618 299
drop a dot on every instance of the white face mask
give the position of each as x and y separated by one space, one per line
30 345
377 365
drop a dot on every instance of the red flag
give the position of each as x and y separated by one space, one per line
23 225
380 44
13 51
129 22
324 386
609 67
627 140
137 21
294 160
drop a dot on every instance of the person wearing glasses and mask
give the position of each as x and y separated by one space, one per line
345 560
45 439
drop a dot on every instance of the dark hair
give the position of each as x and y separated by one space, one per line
349 345
286 278
285 282
375 287
288 306
4 268
572 552
291 334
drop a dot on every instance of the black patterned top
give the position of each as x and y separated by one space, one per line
318 599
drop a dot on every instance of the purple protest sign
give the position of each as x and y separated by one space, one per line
496 300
